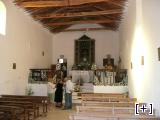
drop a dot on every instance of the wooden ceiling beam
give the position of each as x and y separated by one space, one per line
64 13
42 4
81 2
56 3
115 3
59 28
79 14
83 29
105 16
80 22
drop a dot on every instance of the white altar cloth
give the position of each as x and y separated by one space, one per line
85 76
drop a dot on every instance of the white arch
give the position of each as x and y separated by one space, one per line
2 18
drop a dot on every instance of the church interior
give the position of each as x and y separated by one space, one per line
109 48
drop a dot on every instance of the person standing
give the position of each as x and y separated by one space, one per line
68 93
59 94
50 89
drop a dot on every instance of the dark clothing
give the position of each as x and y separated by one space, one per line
59 93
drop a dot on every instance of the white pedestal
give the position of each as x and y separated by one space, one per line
85 76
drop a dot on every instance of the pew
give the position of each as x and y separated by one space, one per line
26 103
41 100
2 115
105 110
110 110
12 112
91 116
109 113
28 107
110 95
21 100
109 104
109 99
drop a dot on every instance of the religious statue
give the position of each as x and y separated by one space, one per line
62 65
108 63
84 65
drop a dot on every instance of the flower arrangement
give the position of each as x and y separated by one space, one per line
29 91
93 67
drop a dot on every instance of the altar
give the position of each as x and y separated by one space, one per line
82 75
98 77
99 80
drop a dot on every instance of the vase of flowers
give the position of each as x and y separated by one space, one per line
29 91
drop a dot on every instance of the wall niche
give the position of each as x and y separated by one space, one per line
84 55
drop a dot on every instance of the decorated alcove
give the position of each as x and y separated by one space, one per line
84 52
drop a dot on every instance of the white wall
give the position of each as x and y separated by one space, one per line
126 32
139 36
23 44
106 42
39 89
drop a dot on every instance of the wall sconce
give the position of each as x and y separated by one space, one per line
159 53
142 60
131 65
14 66
42 53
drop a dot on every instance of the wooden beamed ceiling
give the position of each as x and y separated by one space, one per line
58 15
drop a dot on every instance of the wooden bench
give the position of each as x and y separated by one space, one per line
108 104
109 113
28 107
41 100
108 99
110 110
111 107
105 110
2 115
26 102
111 95
93 116
12 112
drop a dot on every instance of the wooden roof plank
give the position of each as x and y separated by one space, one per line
57 3
78 14
43 4
83 29
59 28
115 3
80 22
58 15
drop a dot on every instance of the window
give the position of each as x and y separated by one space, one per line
2 18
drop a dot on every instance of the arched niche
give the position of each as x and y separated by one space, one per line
84 52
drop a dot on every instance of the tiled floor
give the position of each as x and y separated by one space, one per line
57 114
